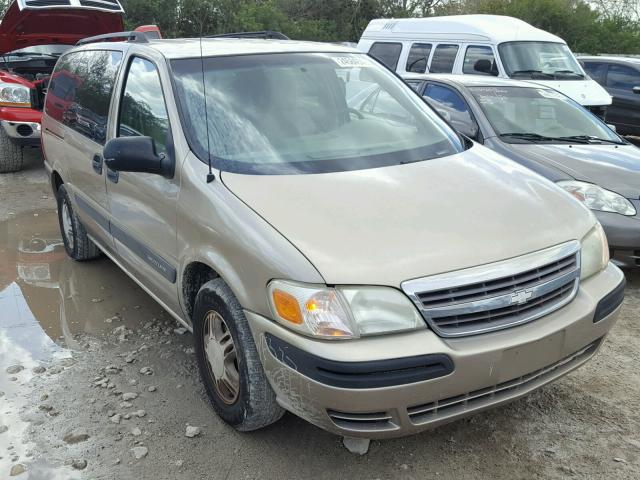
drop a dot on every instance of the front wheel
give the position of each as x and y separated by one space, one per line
10 154
228 360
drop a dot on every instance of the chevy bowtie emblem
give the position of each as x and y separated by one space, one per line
521 296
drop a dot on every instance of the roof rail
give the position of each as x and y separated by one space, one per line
137 37
264 34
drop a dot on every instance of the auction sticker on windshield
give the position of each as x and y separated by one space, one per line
350 62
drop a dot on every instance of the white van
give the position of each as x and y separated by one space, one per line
482 45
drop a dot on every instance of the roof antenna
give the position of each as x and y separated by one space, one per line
210 176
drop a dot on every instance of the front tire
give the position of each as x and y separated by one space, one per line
228 360
11 158
76 241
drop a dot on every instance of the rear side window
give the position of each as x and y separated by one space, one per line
597 71
622 77
143 110
80 91
443 59
418 58
479 60
386 53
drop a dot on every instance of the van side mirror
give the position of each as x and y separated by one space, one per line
636 90
612 127
137 154
469 129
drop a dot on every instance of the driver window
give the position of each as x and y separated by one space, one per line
143 111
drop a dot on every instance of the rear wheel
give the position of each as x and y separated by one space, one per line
10 154
76 241
228 360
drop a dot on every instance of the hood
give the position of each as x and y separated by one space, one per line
614 167
587 92
386 225
26 23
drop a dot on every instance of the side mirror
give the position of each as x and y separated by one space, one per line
136 154
444 114
636 90
612 126
468 129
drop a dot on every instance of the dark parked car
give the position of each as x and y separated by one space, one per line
621 78
554 136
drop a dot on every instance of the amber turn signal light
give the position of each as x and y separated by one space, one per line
287 307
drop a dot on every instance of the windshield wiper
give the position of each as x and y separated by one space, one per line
31 54
531 137
531 72
535 137
591 139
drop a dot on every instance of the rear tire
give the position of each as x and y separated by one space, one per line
76 241
10 154
228 360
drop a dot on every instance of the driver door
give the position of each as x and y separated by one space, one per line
143 206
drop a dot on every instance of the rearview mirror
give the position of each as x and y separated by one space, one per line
636 90
137 154
485 66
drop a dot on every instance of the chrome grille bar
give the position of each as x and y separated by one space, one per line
498 295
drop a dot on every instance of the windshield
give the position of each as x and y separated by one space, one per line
539 61
305 113
35 50
523 114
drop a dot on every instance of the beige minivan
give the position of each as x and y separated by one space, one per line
337 249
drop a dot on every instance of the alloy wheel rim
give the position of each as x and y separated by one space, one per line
222 359
67 225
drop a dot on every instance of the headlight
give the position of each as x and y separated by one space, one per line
14 95
597 198
594 254
342 312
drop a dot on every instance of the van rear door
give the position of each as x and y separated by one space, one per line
76 112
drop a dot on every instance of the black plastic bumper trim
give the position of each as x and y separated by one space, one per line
371 374
610 302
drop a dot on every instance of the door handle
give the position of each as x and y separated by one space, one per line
113 175
96 163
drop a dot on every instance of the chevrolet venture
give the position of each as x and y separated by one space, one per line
363 267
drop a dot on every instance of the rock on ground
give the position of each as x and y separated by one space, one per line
76 436
140 452
359 446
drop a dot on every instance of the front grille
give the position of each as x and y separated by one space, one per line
363 422
498 295
47 3
105 4
477 399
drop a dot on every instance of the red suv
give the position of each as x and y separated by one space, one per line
33 34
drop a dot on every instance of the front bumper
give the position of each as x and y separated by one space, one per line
623 235
22 133
488 369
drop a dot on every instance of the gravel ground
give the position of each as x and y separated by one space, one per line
96 381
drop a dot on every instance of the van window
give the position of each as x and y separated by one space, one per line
622 77
418 58
387 53
143 110
80 91
479 60
443 59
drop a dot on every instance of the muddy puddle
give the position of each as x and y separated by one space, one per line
48 303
